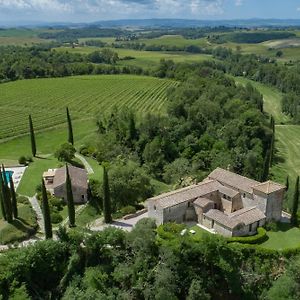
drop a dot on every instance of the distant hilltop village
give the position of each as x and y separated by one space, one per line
224 203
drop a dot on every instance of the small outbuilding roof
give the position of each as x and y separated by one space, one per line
49 173
234 180
269 187
78 177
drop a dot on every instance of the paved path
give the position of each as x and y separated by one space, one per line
120 223
87 166
36 207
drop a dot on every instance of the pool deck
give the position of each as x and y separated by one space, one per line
17 175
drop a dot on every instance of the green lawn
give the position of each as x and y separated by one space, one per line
286 237
199 232
287 146
20 228
89 214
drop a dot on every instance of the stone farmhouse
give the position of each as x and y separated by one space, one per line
225 203
55 182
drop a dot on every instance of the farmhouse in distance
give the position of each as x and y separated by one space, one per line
55 182
224 203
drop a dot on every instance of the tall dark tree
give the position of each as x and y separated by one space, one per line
106 198
46 212
70 199
2 200
265 174
132 129
6 197
32 137
70 128
294 218
287 183
272 149
13 195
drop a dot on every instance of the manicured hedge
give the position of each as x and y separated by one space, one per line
260 237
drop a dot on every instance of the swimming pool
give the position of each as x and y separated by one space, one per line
8 174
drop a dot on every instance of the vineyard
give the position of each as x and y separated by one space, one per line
86 96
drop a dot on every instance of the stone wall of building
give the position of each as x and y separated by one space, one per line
79 194
155 212
274 205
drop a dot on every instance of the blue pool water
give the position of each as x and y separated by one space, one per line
8 174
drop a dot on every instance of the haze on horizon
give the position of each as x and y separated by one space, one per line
18 12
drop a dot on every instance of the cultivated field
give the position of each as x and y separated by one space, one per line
86 96
143 59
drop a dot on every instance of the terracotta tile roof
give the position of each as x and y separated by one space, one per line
234 180
202 202
248 215
245 216
222 218
185 194
269 187
78 177
228 191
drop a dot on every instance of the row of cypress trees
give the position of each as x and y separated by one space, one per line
8 197
32 134
70 203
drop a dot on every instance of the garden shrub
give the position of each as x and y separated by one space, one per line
56 218
170 230
29 159
22 199
260 237
56 203
128 210
22 160
272 226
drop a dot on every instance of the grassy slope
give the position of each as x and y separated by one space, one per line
86 96
287 136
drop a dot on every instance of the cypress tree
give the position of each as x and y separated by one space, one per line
13 198
287 183
32 137
46 212
106 198
272 144
70 199
2 201
294 220
265 173
70 128
6 197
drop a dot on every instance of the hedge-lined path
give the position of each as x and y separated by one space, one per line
39 214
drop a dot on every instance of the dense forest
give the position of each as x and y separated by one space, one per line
147 263
210 122
250 37
42 61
